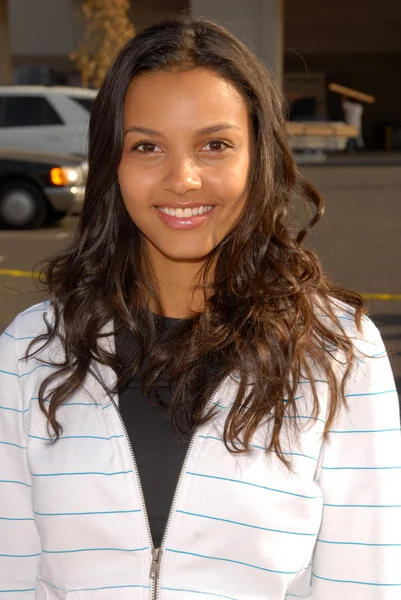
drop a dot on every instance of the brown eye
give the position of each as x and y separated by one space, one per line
217 146
146 148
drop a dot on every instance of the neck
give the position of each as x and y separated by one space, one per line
176 282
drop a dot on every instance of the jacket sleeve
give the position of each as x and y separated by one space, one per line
19 540
358 550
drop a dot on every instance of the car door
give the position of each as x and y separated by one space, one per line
30 122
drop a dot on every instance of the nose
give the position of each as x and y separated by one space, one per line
182 176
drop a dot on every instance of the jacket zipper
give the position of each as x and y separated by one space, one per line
157 553
46 320
155 564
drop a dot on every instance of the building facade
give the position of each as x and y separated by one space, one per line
307 44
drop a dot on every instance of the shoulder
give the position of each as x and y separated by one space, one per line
28 324
366 338
17 357
371 371
367 335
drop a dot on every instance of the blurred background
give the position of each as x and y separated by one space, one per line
338 64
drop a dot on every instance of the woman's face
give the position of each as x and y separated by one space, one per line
185 162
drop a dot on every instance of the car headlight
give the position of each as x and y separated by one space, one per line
66 176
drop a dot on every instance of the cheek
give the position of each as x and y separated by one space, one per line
136 185
231 182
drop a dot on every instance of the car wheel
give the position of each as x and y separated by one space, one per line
22 206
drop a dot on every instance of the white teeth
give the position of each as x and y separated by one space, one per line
186 212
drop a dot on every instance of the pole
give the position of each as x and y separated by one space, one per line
5 54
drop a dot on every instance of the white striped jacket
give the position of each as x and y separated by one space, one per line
73 523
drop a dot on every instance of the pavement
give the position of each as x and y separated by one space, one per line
358 241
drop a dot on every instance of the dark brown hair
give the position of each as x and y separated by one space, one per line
264 289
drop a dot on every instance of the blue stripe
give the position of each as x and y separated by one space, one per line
337 317
73 403
252 484
12 591
183 512
363 430
382 353
356 543
170 589
363 505
82 404
212 437
298 596
19 555
107 405
112 587
359 468
95 550
77 514
9 373
18 339
16 519
356 582
231 403
17 410
223 405
108 587
35 369
18 482
78 437
80 473
16 445
303 417
229 560
372 393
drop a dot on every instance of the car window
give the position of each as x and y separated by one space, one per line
86 103
27 111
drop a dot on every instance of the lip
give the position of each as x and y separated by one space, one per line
183 206
192 222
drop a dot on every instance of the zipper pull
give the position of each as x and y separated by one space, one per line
155 565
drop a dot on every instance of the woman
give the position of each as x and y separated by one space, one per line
197 411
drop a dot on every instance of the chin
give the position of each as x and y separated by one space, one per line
186 254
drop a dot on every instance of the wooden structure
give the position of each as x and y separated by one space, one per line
320 137
350 93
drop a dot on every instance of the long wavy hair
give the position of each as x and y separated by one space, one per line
264 292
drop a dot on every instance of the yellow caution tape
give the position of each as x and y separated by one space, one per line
381 296
35 275
17 273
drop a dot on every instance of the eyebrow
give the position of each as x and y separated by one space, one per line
204 131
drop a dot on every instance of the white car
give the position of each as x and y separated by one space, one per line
45 118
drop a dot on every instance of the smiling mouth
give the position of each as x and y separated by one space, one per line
183 213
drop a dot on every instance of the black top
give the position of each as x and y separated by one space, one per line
158 448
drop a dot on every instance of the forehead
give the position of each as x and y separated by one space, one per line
199 95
